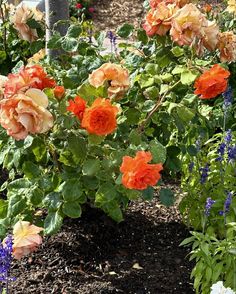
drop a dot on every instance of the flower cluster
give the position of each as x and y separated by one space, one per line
23 109
204 173
20 19
187 25
138 173
6 248
98 119
115 75
209 203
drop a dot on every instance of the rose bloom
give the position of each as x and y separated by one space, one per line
187 25
25 113
100 117
158 20
138 173
210 35
231 8
116 75
37 57
180 3
22 15
91 9
79 6
26 238
32 76
227 46
77 107
212 82
59 92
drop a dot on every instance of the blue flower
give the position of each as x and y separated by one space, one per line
209 203
231 153
228 137
204 173
5 258
112 38
228 201
221 151
228 98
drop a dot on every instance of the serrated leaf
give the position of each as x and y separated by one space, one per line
158 151
78 147
91 167
53 223
71 190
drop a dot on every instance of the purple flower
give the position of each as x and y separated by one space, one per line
204 173
231 153
228 98
112 38
228 137
5 258
209 203
221 151
227 204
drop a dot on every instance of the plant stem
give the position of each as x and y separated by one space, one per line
158 104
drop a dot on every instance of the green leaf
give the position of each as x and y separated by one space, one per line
33 24
95 140
188 77
135 137
38 148
148 193
192 150
89 93
107 192
53 201
91 167
36 196
72 209
125 30
69 44
71 190
18 186
3 56
177 51
115 213
3 208
54 42
53 223
167 197
36 46
16 205
90 183
74 31
78 146
184 113
158 151
31 170
142 36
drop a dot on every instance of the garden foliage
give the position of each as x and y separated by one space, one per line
98 129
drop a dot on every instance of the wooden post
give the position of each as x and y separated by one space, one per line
56 10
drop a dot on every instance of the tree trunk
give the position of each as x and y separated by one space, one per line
56 10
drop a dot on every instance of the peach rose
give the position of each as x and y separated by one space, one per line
231 8
31 76
210 35
22 15
158 20
227 46
116 75
188 25
26 238
180 3
25 113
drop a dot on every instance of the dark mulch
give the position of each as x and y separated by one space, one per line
94 255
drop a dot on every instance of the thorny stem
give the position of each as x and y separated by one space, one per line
158 104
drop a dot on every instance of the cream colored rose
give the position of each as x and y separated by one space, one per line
116 75
231 8
22 15
25 113
188 25
210 35
26 238
227 46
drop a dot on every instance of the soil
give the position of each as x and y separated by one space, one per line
110 14
94 255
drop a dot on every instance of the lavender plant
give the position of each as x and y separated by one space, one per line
6 248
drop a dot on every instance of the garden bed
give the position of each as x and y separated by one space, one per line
95 255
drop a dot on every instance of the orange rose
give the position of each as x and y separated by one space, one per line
22 15
32 76
3 81
212 82
100 118
180 3
116 75
25 113
77 107
26 238
227 46
138 173
59 92
157 21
